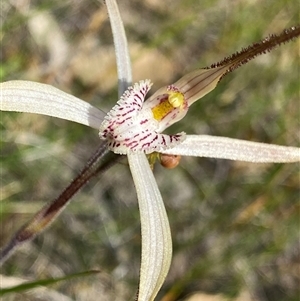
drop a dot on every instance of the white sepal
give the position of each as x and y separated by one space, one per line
156 235
32 97
234 149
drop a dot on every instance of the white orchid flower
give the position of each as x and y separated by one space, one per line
135 127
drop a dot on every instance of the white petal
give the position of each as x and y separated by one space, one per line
234 149
31 97
156 236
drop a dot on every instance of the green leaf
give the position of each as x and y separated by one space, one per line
44 282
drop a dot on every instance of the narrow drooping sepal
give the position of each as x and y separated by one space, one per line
156 234
130 127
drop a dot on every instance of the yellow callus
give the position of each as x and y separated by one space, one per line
174 100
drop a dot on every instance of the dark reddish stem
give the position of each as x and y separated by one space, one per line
50 212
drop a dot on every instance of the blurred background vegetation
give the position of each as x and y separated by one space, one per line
235 225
